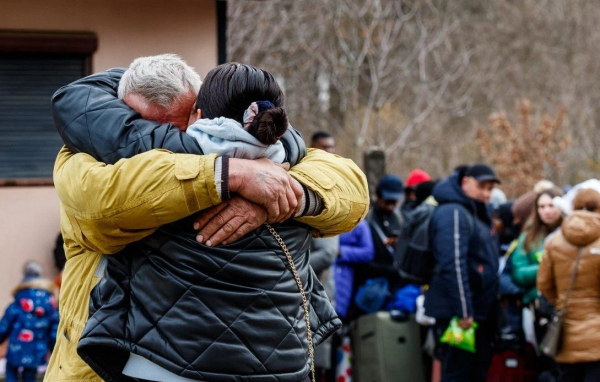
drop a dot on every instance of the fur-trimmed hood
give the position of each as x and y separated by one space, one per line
40 284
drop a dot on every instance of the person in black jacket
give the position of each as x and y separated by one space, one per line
465 278
242 294
385 223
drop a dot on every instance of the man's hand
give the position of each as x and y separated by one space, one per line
466 323
267 184
229 221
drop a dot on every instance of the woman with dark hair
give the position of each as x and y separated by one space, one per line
544 220
247 311
243 120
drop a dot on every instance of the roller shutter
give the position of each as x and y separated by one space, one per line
28 140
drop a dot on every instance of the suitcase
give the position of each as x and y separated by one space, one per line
387 348
510 366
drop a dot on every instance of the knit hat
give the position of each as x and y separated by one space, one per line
32 270
543 185
415 177
523 206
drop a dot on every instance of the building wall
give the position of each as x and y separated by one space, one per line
126 29
29 224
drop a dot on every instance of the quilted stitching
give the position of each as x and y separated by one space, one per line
240 328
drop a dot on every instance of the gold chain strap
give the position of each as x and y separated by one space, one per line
311 351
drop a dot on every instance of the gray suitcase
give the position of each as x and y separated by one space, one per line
386 350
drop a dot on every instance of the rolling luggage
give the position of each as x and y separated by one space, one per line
387 348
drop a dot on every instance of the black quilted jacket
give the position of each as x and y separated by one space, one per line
231 313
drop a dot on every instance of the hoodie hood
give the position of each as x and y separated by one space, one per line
448 190
228 137
581 228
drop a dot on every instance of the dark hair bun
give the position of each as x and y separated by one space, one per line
269 125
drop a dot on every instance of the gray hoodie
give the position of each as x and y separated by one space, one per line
228 137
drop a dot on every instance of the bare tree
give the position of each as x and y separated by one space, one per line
412 76
373 71
524 152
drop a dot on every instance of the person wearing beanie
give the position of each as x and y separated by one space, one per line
579 353
29 324
416 177
543 185
522 208
32 270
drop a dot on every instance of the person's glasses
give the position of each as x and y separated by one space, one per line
390 202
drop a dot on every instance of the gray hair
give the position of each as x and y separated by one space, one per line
160 80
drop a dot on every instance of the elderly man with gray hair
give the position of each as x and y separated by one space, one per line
119 190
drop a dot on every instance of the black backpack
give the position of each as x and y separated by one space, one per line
413 256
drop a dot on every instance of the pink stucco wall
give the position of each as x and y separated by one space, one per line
126 29
29 224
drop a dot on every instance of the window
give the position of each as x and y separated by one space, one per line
32 67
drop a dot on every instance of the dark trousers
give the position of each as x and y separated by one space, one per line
12 373
580 372
459 365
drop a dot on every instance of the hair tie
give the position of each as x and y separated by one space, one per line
254 109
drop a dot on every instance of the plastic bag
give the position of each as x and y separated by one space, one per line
459 337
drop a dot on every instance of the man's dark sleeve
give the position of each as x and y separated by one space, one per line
91 119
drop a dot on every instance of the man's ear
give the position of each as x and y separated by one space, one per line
199 114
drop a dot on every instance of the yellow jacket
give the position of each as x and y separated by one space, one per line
105 207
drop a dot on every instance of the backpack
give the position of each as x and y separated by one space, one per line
413 255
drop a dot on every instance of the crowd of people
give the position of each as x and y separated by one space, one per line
198 262
501 266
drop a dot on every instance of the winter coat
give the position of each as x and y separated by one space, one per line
323 253
104 208
120 214
465 248
581 330
525 267
226 313
30 324
382 265
356 247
